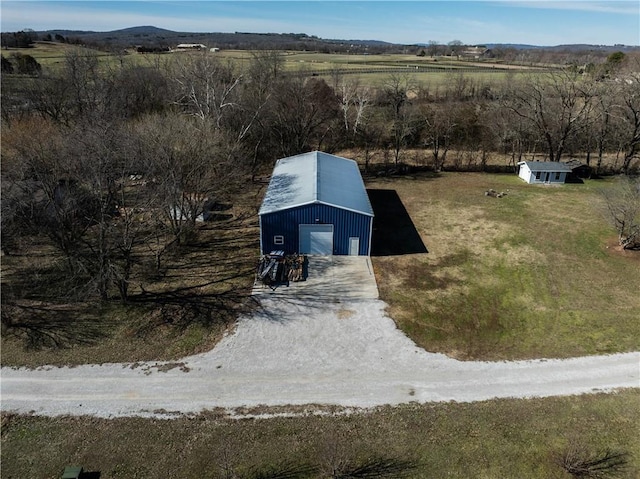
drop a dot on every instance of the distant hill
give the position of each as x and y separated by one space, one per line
154 37
516 46
578 47
151 36
143 30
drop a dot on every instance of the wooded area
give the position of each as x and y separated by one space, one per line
105 164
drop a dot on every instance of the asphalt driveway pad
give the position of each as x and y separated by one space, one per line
329 278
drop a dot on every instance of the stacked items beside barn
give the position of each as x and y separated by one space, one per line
277 268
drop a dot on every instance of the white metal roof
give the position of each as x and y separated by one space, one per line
316 177
546 166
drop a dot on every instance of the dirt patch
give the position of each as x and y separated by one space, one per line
345 313
614 249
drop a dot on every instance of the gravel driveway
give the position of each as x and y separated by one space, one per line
297 351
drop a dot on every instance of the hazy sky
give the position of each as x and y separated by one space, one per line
472 22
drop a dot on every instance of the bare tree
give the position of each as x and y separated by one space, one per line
189 165
206 86
602 130
455 47
355 101
509 132
396 90
433 48
266 67
628 114
51 97
622 202
85 83
53 202
138 89
439 125
74 187
369 137
556 105
303 113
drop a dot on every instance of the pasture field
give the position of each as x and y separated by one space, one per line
536 273
50 54
373 70
368 69
410 60
505 438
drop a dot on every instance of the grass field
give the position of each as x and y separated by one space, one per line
51 55
533 274
493 439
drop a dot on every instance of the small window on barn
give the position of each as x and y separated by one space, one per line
278 239
538 173
557 175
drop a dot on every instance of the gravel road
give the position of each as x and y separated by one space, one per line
295 352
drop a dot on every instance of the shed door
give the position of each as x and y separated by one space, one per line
354 246
316 239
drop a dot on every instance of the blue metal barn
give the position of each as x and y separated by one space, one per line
316 203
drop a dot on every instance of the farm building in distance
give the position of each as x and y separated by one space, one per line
543 171
316 203
190 46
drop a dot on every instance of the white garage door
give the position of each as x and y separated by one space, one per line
316 239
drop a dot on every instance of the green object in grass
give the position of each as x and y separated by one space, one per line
71 472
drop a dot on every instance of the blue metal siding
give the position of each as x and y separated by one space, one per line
345 225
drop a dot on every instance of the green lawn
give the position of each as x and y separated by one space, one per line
492 439
533 274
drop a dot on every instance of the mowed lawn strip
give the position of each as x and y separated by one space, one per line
501 438
533 274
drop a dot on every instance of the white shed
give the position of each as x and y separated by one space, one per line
543 171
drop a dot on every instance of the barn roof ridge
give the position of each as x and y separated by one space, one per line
336 181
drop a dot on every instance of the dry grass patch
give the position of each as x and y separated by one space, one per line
183 309
523 276
502 438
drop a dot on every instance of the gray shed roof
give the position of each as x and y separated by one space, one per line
546 166
316 177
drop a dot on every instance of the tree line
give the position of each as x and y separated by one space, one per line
555 114
108 160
